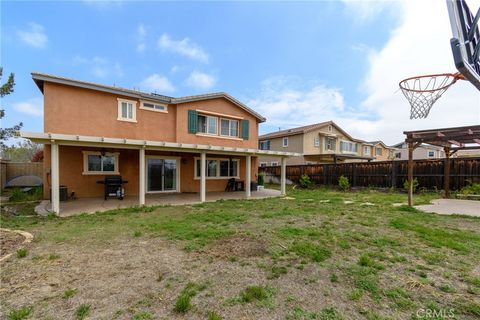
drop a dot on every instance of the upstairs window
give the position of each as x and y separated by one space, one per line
207 124
265 145
347 146
316 142
285 142
229 128
431 154
127 110
330 144
398 155
378 151
366 151
154 107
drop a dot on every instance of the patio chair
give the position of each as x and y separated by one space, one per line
230 185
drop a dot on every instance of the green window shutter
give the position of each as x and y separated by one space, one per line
192 121
245 129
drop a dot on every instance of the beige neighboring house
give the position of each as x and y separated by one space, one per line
424 151
323 142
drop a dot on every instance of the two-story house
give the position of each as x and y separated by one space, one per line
424 151
323 142
157 143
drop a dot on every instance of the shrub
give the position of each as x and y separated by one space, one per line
34 194
305 181
261 179
343 183
406 185
473 188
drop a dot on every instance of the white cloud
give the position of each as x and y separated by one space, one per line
419 45
31 107
158 83
288 102
365 11
184 47
141 35
200 80
33 36
100 67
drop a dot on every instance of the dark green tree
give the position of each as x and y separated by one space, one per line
6 89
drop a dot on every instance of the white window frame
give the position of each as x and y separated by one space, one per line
431 156
350 148
154 109
274 163
263 164
399 154
98 153
285 145
217 176
330 144
229 128
366 150
134 110
316 142
206 125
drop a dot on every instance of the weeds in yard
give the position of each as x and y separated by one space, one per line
82 311
183 303
22 253
143 315
34 194
333 278
260 294
137 234
69 292
53 257
212 315
276 272
311 251
330 314
20 314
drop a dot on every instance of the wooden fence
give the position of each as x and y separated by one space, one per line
386 174
11 170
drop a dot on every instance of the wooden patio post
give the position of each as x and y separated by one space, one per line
410 173
446 172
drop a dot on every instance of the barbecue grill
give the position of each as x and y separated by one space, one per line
114 187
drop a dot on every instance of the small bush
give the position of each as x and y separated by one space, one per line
305 181
261 179
473 188
20 314
406 185
82 311
22 253
343 183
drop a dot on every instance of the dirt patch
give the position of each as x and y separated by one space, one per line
237 246
9 242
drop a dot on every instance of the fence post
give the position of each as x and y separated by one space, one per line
354 173
394 174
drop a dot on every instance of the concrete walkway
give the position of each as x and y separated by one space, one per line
452 206
92 205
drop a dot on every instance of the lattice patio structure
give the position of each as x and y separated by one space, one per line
451 139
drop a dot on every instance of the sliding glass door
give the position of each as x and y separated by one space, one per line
161 174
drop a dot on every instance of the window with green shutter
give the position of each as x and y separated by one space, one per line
245 129
192 121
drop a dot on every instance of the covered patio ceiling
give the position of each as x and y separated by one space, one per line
451 139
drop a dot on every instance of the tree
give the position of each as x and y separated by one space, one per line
6 89
23 151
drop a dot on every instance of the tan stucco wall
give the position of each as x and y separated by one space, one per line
72 110
71 168
295 144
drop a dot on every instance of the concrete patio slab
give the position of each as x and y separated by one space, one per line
93 205
452 206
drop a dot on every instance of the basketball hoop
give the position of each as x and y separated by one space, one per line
423 91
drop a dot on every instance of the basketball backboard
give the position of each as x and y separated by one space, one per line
466 39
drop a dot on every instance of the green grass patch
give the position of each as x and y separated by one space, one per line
143 315
22 253
69 292
309 250
183 303
212 315
82 311
20 314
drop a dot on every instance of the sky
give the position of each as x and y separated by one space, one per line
296 63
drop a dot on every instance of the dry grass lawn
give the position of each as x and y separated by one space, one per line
310 257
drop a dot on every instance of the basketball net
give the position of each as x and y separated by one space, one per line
423 91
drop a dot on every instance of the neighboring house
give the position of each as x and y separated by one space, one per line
323 142
424 151
154 142
472 153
